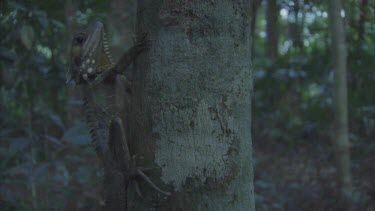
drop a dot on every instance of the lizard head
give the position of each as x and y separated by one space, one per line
90 56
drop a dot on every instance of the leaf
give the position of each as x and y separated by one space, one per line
16 5
4 132
62 173
54 140
58 24
78 135
262 184
4 152
83 174
27 36
7 54
57 120
42 18
41 172
19 143
21 169
75 158
75 102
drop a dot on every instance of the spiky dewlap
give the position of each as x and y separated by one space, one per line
91 59
98 63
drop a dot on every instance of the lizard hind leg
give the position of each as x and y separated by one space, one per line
121 156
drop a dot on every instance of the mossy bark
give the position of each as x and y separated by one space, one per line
191 105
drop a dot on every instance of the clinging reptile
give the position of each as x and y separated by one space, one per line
93 68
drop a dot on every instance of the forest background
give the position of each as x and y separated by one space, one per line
45 152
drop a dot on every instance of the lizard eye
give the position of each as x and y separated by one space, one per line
79 39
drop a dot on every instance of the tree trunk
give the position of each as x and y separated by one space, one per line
296 27
254 10
362 19
272 15
191 105
340 139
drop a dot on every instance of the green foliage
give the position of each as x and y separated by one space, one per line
43 160
77 135
293 108
304 76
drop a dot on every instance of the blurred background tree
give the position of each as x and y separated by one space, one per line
340 138
45 153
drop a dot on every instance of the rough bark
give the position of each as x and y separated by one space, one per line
272 16
191 105
340 138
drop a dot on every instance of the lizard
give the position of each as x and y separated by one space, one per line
92 67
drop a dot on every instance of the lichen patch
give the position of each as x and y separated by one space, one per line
198 153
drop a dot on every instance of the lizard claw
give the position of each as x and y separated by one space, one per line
147 169
139 173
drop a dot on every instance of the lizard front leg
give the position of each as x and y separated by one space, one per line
124 62
128 57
